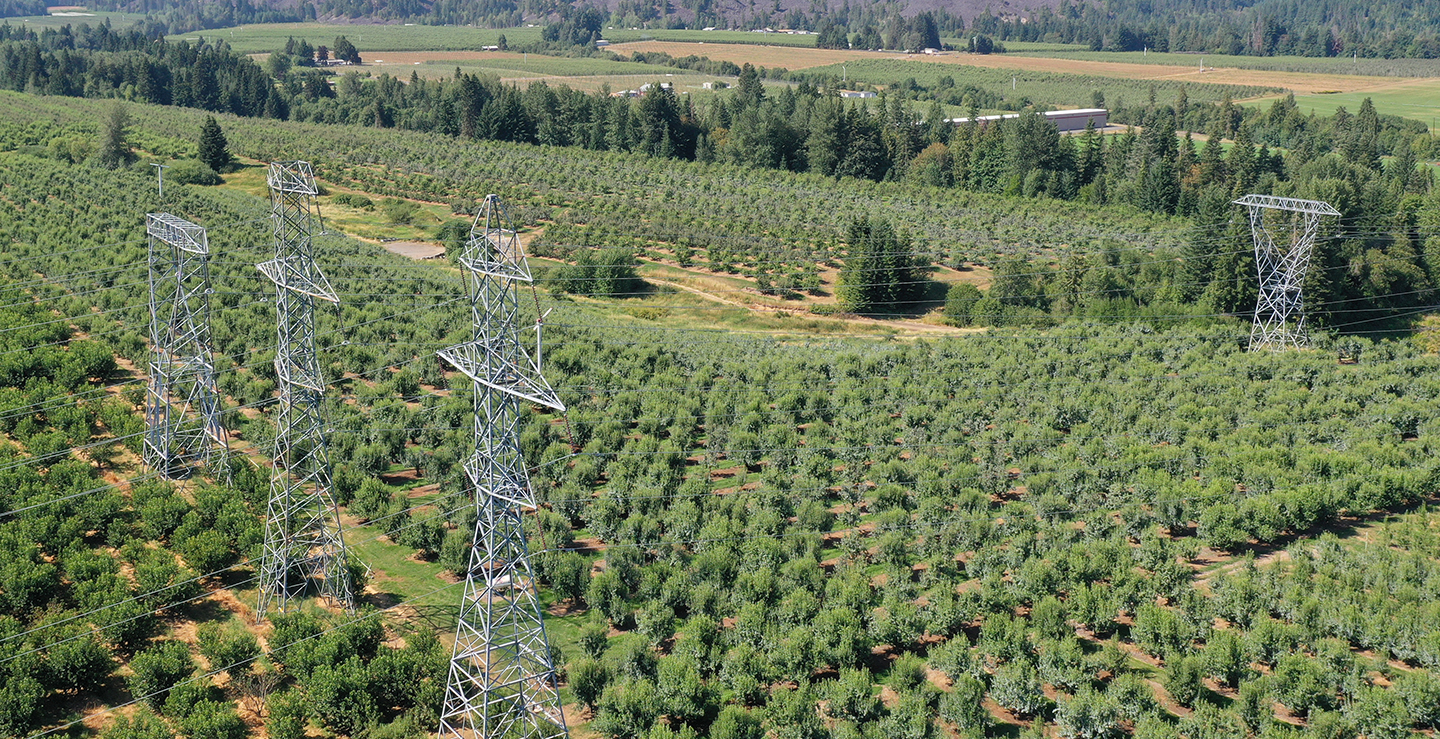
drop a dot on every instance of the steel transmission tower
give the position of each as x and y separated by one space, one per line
302 529
502 680
1279 312
182 408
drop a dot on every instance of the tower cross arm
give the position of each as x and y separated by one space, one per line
178 232
1296 205
293 177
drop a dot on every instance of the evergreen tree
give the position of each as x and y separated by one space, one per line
748 89
214 149
115 149
879 274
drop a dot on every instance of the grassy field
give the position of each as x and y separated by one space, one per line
623 35
1053 88
1416 99
369 39
1310 65
92 17
375 38
548 66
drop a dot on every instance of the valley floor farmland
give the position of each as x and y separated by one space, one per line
790 58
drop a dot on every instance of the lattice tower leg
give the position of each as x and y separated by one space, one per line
303 542
502 680
182 411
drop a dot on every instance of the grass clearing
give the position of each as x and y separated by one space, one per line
90 17
549 66
371 224
1418 99
787 57
578 73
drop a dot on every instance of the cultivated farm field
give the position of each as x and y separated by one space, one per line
1303 64
794 59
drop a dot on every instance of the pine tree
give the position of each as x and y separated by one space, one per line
1212 159
214 149
879 273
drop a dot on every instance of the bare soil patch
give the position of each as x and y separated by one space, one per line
415 249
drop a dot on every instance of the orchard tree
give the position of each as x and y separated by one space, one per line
851 697
158 669
735 722
1088 715
1017 688
227 645
627 709
341 696
20 698
964 705
142 725
1182 678
210 719
588 678
79 662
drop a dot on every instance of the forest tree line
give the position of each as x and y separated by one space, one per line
805 128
